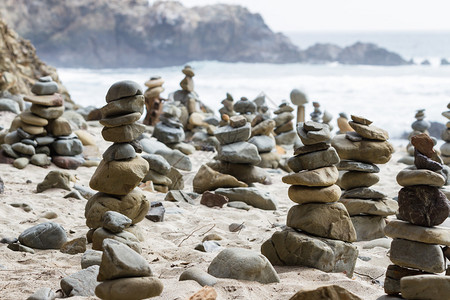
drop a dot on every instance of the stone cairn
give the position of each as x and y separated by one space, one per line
169 130
153 101
367 207
320 230
419 126
42 132
227 108
284 125
445 148
415 250
121 169
246 108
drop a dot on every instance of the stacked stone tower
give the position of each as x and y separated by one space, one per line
284 125
445 148
153 101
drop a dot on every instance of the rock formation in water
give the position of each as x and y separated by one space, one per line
136 34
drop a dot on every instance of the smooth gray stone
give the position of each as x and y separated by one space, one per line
368 227
351 165
20 248
263 143
298 98
243 264
363 193
21 162
240 153
91 258
420 125
314 160
156 212
68 147
353 136
122 89
40 160
227 134
23 149
250 195
74 194
115 221
239 205
23 134
168 135
44 88
44 140
151 146
43 150
176 159
47 78
7 148
321 132
119 151
244 107
283 118
82 283
43 294
12 137
157 163
44 236
198 275
30 142
170 121
9 105
287 138
85 191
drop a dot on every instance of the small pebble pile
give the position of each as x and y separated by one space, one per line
41 133
445 148
415 250
367 207
120 170
320 228
284 125
153 102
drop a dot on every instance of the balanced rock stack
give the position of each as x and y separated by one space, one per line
153 101
420 125
284 125
246 108
169 129
316 115
445 148
124 274
367 207
227 108
263 139
35 135
121 168
321 231
415 249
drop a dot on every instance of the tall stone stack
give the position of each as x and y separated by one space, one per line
320 230
169 130
227 108
42 132
284 125
121 169
263 139
153 101
367 207
416 251
316 115
445 148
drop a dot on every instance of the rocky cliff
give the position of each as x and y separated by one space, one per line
130 33
19 65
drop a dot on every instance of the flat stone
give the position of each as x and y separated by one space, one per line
179 196
368 227
44 236
432 287
244 106
82 283
209 179
417 255
360 120
184 148
32 130
423 162
264 128
154 92
119 177
270 160
370 132
375 152
325 176
74 246
302 194
353 136
44 88
70 147
228 134
91 258
408 177
23 148
20 248
240 152
350 165
157 178
324 220
177 179
122 89
176 159
239 205
32 119
120 261
291 248
242 172
44 140
263 143
156 212
423 205
355 179
311 148
212 200
424 144
21 162
286 127
283 118
47 100
363 193
408 231
47 112
157 163
44 293
251 196
123 106
124 133
125 119
115 221
43 150
154 82
198 275
333 292
134 288
313 160
127 238
40 160
56 179
243 264
312 137
119 151
8 150
68 162
383 207
9 105
134 205
394 274
284 108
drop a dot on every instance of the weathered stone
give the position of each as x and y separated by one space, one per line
408 231
125 119
91 258
198 275
321 132
432 287
423 162
375 152
302 194
157 163
286 127
208 179
74 246
157 178
283 118
251 196
263 143
394 274
244 106
9 105
123 106
68 162
211 200
44 236
40 160
124 237
168 134
176 159
177 179
115 221
313 160
134 288
44 88
156 212
47 112
23 149
408 177
119 151
122 89
242 172
330 292
292 248
243 264
383 207
354 179
21 162
43 294
325 176
82 283
350 165
368 227
360 120
56 179
119 177
68 147
240 152
59 126
423 205
237 121
264 128
124 133
370 132
297 97
179 196
32 119
424 144
363 193
45 100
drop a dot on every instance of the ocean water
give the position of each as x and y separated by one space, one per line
389 96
